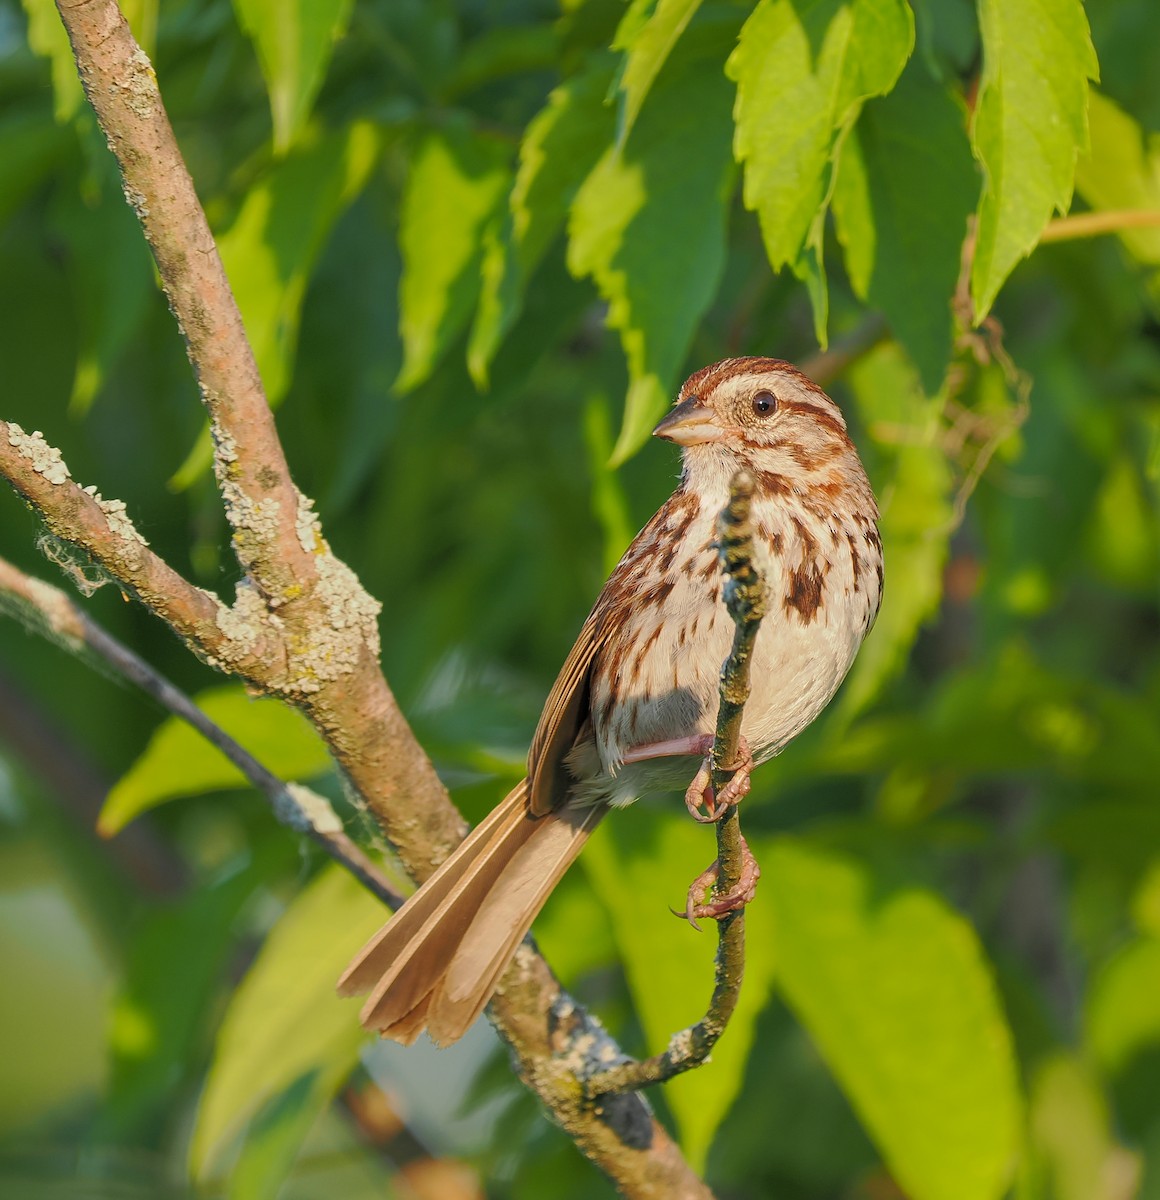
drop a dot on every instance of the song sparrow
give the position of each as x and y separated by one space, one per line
634 707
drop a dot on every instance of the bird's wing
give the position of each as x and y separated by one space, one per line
564 713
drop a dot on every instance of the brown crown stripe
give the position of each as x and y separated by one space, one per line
708 378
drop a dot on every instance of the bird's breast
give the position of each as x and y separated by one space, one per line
657 676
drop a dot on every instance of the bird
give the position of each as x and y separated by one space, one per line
633 710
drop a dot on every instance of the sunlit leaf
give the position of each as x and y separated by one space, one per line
905 187
1008 713
273 244
57 979
275 1135
560 147
640 862
142 18
1030 124
893 986
180 762
647 48
651 232
1121 171
47 37
294 40
914 495
1071 1135
1123 1016
803 72
1123 535
284 1023
456 184
608 498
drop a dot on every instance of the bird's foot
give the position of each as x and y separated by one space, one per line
700 792
698 906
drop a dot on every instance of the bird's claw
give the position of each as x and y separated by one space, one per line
700 792
699 907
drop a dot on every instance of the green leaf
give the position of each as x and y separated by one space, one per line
112 276
894 989
157 1030
271 248
651 232
1030 124
30 147
640 861
609 502
1071 1134
1007 714
457 183
47 37
913 485
294 40
275 1137
905 187
1121 171
179 762
648 47
560 147
270 251
1123 1015
284 1023
803 71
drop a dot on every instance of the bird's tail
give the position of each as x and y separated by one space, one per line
437 961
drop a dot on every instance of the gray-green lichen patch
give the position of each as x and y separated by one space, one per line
254 522
351 628
141 85
307 526
117 517
46 460
304 809
681 1045
225 448
243 625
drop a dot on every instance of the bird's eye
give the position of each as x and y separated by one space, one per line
764 404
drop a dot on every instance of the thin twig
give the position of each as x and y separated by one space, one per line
46 608
745 599
1095 224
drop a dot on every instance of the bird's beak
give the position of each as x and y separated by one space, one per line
690 424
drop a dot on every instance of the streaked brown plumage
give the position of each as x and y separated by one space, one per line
634 707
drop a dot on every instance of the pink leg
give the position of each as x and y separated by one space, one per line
697 907
700 791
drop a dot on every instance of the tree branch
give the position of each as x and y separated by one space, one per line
45 608
1094 224
262 503
744 594
309 629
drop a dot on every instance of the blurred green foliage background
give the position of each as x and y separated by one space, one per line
476 246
